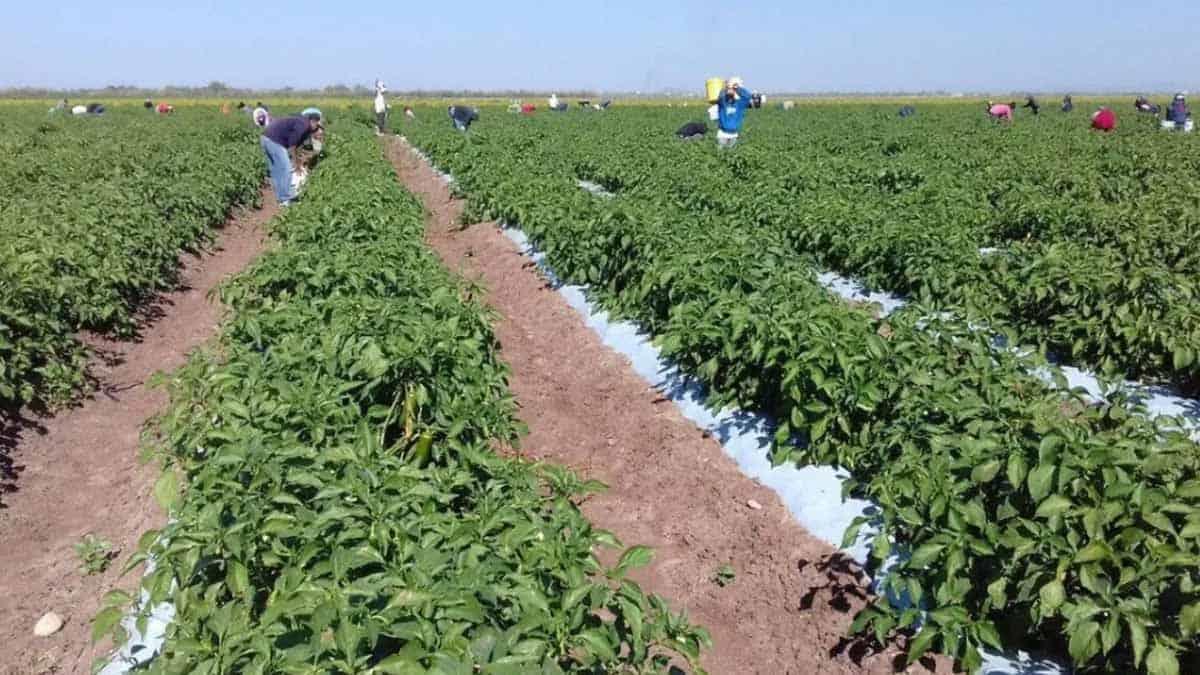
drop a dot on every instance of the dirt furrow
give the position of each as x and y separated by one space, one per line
671 486
78 472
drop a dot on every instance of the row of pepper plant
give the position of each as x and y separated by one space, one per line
93 217
1090 240
337 503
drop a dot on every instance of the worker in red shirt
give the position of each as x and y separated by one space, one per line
165 108
1104 120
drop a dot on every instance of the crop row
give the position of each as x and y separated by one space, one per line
92 219
1097 236
1027 517
343 508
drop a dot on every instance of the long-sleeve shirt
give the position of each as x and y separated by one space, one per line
1001 111
290 132
730 112
1104 120
1178 112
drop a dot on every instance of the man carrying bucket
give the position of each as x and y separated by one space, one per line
731 110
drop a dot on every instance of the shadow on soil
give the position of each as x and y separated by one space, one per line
14 425
842 589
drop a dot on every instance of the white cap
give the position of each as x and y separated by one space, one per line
735 81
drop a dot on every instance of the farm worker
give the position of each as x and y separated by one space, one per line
528 108
1144 106
1178 114
553 101
1000 111
95 109
1068 105
731 109
165 108
408 112
226 108
1104 120
61 106
381 108
280 142
1032 104
692 131
79 110
261 116
148 104
462 116
908 111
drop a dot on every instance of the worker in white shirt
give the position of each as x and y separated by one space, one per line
381 108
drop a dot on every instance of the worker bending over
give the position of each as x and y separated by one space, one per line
1104 119
462 116
280 142
1001 111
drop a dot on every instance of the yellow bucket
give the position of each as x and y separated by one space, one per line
713 87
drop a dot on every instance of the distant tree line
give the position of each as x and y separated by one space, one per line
220 90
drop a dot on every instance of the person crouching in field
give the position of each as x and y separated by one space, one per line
1001 111
1104 120
1178 116
1067 105
692 131
280 142
731 110
462 116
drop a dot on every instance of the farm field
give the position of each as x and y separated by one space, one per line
341 460
330 467
1027 514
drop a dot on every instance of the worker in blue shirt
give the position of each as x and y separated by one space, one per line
731 108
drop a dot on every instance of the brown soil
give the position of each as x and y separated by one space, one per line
78 472
671 486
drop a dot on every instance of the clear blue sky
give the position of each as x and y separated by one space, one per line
859 45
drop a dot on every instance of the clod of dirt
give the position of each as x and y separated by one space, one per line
754 505
48 625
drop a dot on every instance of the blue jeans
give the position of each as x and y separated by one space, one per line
280 166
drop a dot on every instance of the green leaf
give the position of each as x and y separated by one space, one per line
1162 660
1189 620
920 644
1137 638
1052 596
984 473
850 537
1041 481
596 643
105 621
166 490
1018 469
636 556
1093 552
923 556
1083 643
1053 506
